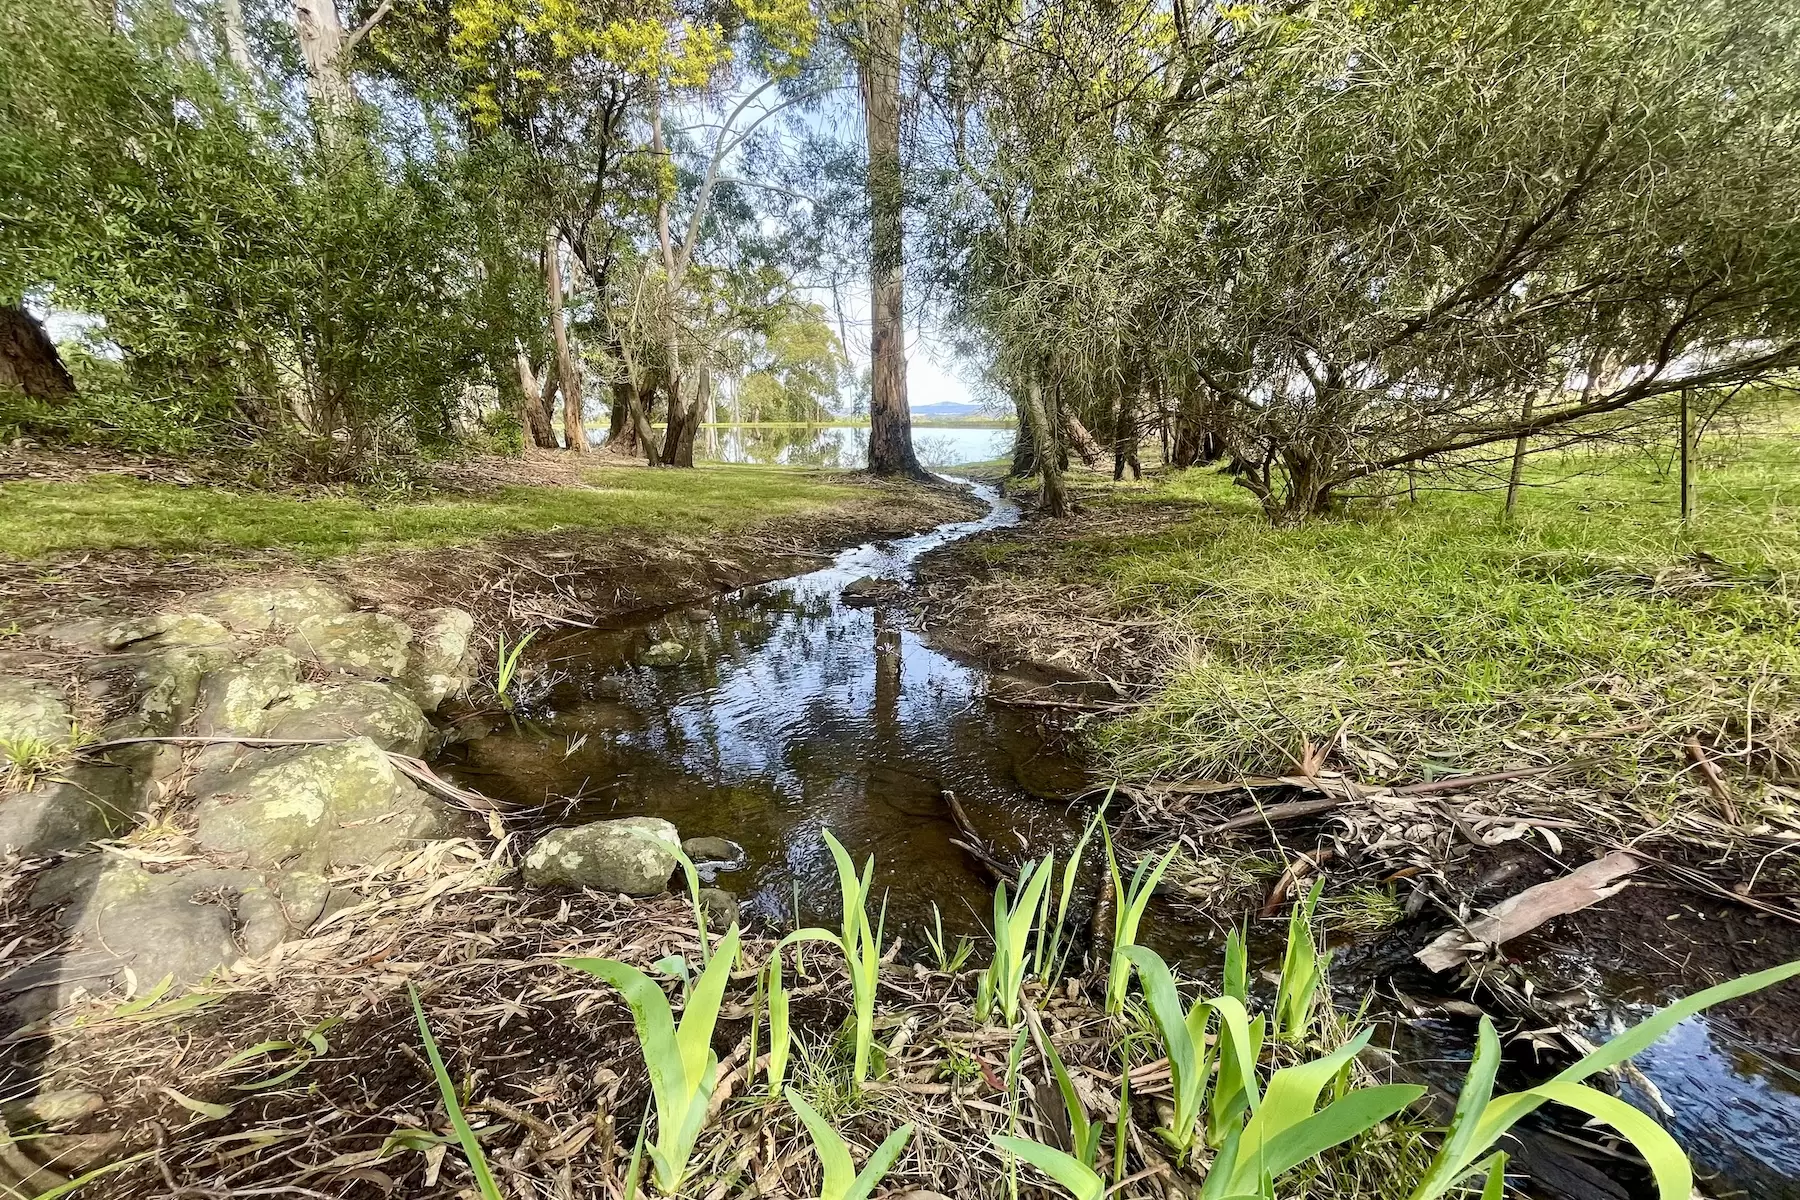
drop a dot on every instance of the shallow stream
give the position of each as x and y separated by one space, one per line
795 711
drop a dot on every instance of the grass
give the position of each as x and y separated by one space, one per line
1436 637
41 519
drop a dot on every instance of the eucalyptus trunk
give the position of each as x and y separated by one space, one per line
890 418
568 374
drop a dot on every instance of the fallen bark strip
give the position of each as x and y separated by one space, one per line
1520 914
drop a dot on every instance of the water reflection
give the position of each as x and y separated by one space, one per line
793 713
846 445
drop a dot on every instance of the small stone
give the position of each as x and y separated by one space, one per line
364 644
712 850
439 665
334 711
634 855
869 591
57 1109
233 702
259 605
32 714
665 654
721 908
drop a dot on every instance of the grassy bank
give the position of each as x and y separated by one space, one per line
43 519
1436 636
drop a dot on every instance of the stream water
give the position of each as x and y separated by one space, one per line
795 712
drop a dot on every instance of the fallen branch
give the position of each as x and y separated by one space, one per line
1715 781
1520 914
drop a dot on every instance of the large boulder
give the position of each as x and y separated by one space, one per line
177 923
439 664
259 605
234 702
364 644
333 711
338 805
69 810
32 717
634 855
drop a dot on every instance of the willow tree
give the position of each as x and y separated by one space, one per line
1352 238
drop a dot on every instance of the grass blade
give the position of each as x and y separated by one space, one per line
471 1147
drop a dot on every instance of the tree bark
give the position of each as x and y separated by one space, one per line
28 359
322 44
568 375
1518 459
534 404
1052 498
231 27
890 417
1024 456
1081 439
1125 425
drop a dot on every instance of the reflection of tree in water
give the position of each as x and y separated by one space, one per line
793 445
936 450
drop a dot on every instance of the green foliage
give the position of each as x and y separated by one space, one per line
861 945
465 1136
797 374
507 665
328 298
947 959
1129 903
683 1068
842 1181
1004 979
1078 1178
1301 970
1481 1118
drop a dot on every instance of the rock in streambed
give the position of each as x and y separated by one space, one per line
633 855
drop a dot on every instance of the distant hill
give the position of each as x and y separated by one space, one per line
948 408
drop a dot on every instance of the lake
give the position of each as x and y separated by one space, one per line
846 445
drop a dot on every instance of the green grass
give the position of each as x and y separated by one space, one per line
1442 637
39 520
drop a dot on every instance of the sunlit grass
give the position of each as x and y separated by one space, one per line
39 519
1438 633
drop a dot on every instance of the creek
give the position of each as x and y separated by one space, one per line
795 711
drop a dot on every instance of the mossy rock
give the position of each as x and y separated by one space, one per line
633 855
364 644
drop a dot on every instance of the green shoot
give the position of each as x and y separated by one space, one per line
1050 963
683 1067
507 666
861 945
465 1136
842 1182
1301 970
1183 1033
1481 1119
1128 910
780 1031
1005 977
1084 1133
948 961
